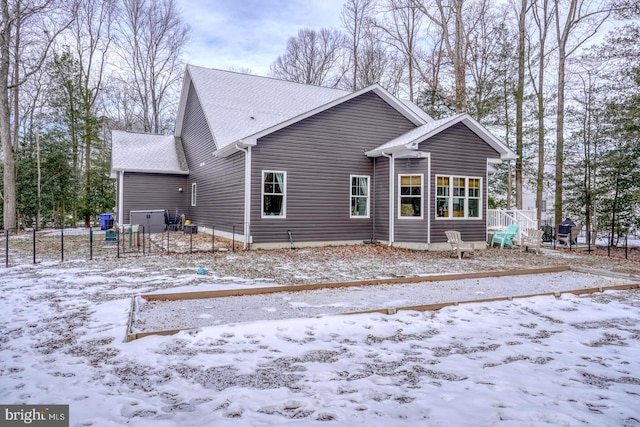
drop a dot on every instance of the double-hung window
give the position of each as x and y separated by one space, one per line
410 194
359 196
458 197
274 194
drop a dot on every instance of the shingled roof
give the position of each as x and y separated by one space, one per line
240 108
240 105
150 153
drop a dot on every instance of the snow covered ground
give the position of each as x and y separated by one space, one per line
537 361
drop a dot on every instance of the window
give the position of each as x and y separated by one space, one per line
193 194
410 193
273 194
359 196
458 197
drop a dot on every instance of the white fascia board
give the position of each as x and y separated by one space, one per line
163 172
399 152
504 151
182 105
477 128
228 150
399 106
379 90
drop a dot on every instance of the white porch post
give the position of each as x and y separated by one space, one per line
247 195
120 212
247 199
429 197
391 197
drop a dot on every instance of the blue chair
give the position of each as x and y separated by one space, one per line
505 237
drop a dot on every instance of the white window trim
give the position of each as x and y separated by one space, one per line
284 195
451 197
351 196
421 175
194 194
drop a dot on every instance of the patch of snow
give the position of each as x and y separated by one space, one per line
536 361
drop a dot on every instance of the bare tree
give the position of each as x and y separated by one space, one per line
152 38
401 23
542 14
488 44
355 17
456 20
313 57
27 30
91 28
575 24
521 13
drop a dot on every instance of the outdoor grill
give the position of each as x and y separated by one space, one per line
564 231
565 226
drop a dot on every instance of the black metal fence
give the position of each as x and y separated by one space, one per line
625 245
25 246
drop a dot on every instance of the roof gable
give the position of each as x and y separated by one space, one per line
239 105
240 108
410 140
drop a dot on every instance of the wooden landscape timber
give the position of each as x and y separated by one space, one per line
132 335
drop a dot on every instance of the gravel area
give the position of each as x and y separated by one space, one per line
159 315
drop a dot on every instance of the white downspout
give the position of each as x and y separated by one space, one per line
391 197
120 212
247 195
429 198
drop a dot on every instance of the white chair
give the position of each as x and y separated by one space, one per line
457 245
532 239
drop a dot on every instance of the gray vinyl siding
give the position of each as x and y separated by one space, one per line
411 230
319 154
381 199
220 181
459 151
148 191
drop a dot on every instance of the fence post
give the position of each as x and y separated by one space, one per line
213 239
233 238
118 242
191 242
34 245
143 242
62 244
6 248
90 243
626 246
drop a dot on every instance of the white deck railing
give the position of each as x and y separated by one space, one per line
499 219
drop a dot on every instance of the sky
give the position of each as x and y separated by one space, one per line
250 34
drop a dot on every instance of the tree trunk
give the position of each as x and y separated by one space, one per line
520 102
459 61
543 30
9 173
559 136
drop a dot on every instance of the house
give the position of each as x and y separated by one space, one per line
271 160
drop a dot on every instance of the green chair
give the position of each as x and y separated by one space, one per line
505 237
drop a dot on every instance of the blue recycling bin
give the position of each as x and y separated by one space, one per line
106 221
